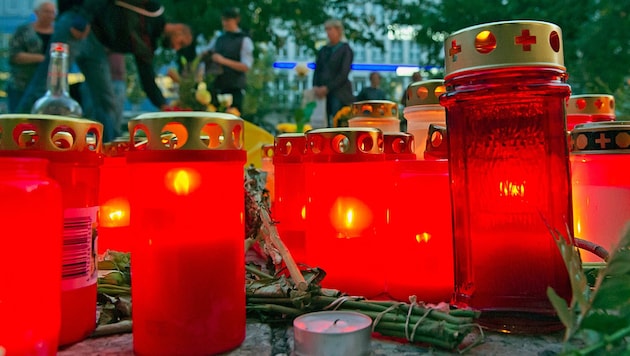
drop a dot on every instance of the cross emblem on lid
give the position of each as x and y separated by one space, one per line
526 40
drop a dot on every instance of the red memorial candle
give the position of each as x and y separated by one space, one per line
509 170
346 215
114 231
187 212
419 218
589 108
73 147
422 109
32 220
290 186
601 188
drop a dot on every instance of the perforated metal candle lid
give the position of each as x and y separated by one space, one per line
118 147
399 145
591 104
375 109
425 92
49 133
601 137
504 44
436 147
187 130
290 147
345 144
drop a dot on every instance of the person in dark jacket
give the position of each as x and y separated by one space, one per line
95 28
332 67
372 92
233 52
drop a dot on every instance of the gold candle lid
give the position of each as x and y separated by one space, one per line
399 143
118 147
290 147
425 92
49 133
436 147
345 144
187 130
591 104
375 108
502 45
601 137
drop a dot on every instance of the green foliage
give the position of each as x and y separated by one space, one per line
599 319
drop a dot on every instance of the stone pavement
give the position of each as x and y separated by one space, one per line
263 339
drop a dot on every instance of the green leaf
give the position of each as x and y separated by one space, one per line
603 322
308 110
566 315
612 289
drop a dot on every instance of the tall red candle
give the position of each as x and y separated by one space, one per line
291 196
187 216
601 189
114 231
509 170
73 147
346 214
586 108
31 218
420 261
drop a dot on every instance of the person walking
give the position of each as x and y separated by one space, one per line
27 48
332 67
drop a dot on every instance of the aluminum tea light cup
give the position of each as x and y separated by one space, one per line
330 333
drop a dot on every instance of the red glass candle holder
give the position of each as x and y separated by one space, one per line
589 108
423 108
32 220
114 232
266 162
380 114
187 212
346 212
73 147
601 189
509 170
290 185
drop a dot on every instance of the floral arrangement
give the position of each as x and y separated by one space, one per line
342 116
193 91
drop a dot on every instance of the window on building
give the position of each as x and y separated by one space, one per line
414 52
377 55
397 52
359 53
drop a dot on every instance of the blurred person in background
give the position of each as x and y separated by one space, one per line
27 48
374 91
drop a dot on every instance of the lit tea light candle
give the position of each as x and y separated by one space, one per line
379 114
332 333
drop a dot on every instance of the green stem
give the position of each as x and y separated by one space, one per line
275 309
113 289
420 338
257 272
608 339
269 300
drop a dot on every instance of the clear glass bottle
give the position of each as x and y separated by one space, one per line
57 100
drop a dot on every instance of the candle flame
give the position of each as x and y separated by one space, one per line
423 237
350 216
115 213
182 181
511 189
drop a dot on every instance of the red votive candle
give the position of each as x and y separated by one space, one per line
420 236
423 108
73 148
114 231
187 212
509 170
290 186
379 114
32 220
346 214
582 109
601 189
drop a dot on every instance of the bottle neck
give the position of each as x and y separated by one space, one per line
58 74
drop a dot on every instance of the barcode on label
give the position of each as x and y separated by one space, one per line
77 247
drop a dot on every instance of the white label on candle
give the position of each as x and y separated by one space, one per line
78 267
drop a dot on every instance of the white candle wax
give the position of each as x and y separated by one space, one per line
332 333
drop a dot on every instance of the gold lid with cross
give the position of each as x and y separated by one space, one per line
50 133
601 137
591 104
502 45
425 92
186 130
